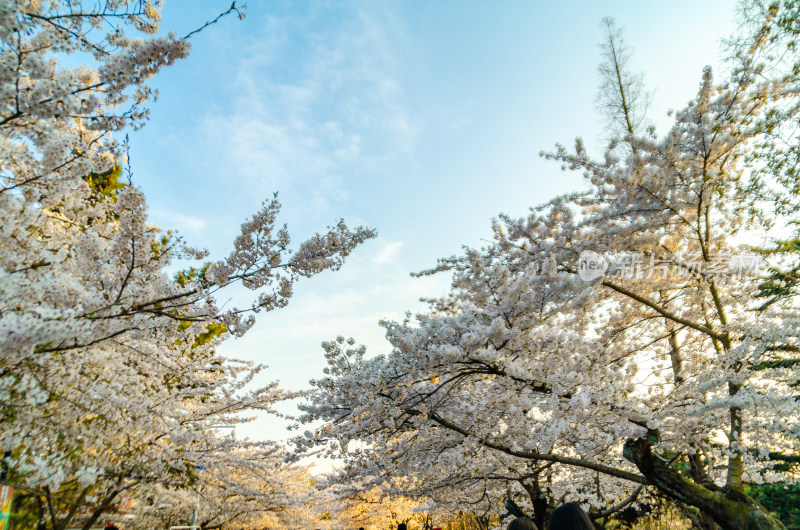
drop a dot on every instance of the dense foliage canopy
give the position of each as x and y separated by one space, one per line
109 376
635 334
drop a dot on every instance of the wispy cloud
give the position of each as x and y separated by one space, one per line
353 308
179 221
315 104
389 252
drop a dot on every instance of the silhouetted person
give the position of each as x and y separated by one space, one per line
570 517
522 523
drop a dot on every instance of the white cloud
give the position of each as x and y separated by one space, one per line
389 252
310 115
289 340
313 109
178 221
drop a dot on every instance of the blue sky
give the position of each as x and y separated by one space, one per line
421 119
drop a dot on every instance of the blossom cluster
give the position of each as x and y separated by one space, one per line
110 380
527 379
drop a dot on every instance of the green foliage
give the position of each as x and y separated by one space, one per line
24 513
193 274
654 513
781 499
213 330
106 183
781 282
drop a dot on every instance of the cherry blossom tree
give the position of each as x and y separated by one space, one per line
242 486
109 376
619 334
451 470
371 504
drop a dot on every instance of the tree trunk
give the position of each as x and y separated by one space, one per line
540 510
482 522
730 509
538 501
699 519
104 505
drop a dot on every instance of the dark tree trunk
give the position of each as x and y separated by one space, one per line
540 510
538 501
731 510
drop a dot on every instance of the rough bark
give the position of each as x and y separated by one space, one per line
701 520
730 509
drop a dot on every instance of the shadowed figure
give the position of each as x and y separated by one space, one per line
570 517
522 523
